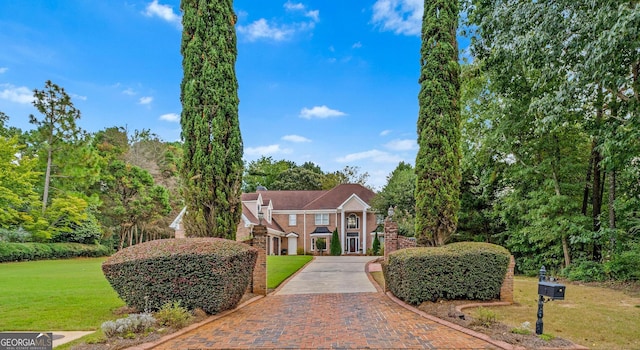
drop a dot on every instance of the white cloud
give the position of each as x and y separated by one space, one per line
373 155
3 70
165 12
145 100
295 138
261 29
78 97
399 16
320 112
170 117
402 145
314 15
293 6
129 91
356 45
265 150
18 94
385 132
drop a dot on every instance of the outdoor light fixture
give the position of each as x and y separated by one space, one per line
390 212
260 217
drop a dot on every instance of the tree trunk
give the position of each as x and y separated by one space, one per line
585 196
47 179
565 243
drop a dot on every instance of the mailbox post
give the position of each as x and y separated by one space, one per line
550 290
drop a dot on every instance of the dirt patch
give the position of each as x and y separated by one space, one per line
446 310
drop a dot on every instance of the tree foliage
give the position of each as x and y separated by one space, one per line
336 248
212 162
438 159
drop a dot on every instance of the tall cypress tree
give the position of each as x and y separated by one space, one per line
438 160
212 166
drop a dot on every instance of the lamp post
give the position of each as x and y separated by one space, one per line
390 212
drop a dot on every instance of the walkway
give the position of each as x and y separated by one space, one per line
291 318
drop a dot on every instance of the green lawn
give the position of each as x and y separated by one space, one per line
74 295
55 295
279 268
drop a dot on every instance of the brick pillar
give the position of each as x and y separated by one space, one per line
506 291
390 237
260 270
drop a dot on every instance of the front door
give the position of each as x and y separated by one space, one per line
353 244
292 247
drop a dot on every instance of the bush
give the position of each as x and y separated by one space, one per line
587 271
18 235
134 323
88 232
207 273
625 266
173 315
42 251
376 245
335 247
300 251
467 270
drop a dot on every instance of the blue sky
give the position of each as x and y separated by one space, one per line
332 82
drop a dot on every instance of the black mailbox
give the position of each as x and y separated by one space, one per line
551 290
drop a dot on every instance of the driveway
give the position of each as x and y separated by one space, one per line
330 304
331 274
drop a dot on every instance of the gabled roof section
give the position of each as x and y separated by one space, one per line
340 194
285 200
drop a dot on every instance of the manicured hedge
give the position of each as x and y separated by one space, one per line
467 270
207 273
41 251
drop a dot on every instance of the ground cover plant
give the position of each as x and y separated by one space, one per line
279 268
69 294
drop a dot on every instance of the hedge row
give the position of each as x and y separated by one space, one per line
467 270
207 273
41 251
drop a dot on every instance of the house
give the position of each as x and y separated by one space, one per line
296 219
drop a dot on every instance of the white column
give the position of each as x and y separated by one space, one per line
304 231
364 232
342 242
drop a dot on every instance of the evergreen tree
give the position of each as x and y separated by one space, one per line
336 249
212 165
376 244
438 159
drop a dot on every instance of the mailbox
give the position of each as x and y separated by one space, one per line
551 290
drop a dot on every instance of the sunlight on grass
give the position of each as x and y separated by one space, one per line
598 318
55 295
279 268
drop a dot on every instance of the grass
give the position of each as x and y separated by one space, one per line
598 318
279 268
58 295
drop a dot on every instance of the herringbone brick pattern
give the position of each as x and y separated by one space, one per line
354 321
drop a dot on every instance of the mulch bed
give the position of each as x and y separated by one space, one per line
446 310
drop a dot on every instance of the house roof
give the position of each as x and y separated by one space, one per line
254 220
338 195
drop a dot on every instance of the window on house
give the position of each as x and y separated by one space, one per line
322 219
353 221
313 244
292 220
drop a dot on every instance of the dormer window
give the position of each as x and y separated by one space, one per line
353 221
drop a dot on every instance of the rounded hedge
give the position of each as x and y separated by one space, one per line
466 270
207 273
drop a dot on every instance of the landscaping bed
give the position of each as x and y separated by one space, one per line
446 310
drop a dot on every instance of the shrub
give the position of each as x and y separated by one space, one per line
625 266
209 273
173 315
467 270
376 245
88 232
335 248
42 251
587 271
300 251
485 318
18 235
134 323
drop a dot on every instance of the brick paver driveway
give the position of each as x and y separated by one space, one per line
335 320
